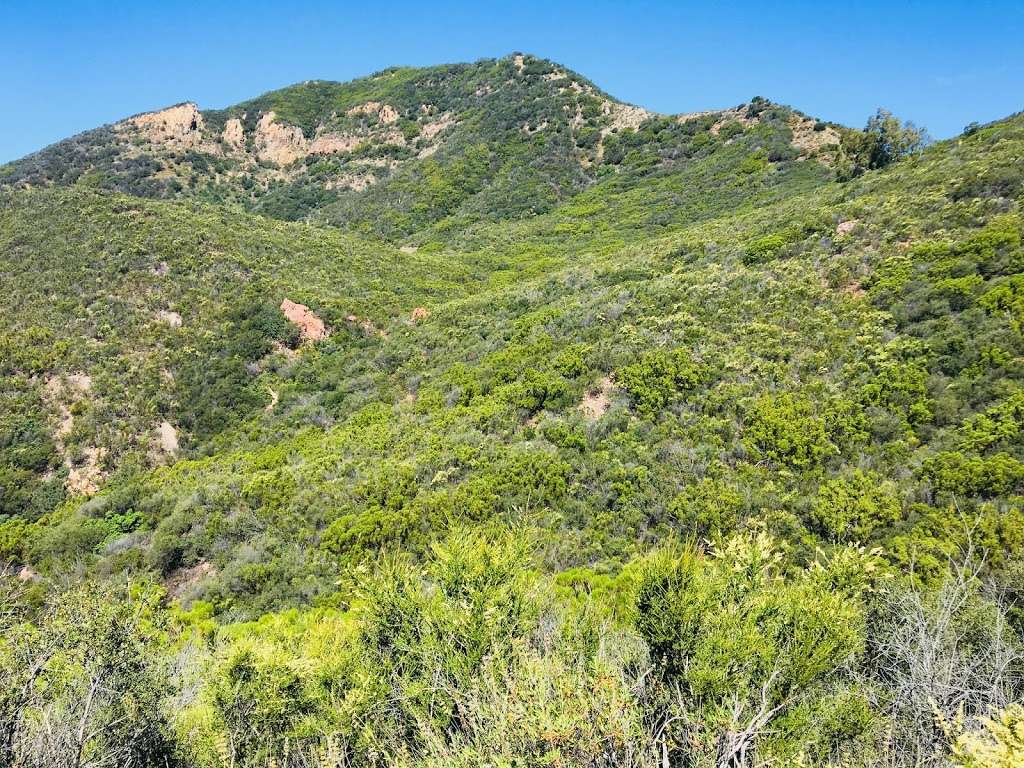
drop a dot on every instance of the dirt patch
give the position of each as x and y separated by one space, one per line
354 181
81 383
854 290
367 326
311 327
184 579
85 479
430 130
167 438
61 393
172 319
281 349
597 400
846 227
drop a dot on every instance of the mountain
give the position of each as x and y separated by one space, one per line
466 413
408 149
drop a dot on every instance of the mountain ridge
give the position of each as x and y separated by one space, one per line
348 152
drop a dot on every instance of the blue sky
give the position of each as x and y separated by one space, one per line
73 65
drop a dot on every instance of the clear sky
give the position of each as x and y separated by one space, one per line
70 65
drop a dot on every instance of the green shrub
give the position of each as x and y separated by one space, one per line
744 643
853 507
786 429
659 377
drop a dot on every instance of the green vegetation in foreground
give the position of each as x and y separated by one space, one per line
718 461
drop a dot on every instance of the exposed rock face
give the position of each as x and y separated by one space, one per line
279 143
180 125
622 116
811 142
625 115
384 112
310 326
234 133
330 143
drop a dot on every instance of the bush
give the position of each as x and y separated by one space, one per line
707 507
659 377
853 507
745 644
786 429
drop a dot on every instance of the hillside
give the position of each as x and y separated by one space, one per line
599 438
408 150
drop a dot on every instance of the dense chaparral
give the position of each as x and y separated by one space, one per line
468 416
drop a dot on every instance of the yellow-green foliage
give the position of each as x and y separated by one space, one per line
998 742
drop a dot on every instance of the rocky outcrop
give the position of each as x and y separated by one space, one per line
180 125
812 138
311 327
624 115
278 142
233 134
384 112
330 143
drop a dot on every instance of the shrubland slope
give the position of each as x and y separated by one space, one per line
659 439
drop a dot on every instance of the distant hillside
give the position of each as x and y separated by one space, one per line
407 150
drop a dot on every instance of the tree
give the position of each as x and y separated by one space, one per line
883 141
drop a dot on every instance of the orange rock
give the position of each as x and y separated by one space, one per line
310 326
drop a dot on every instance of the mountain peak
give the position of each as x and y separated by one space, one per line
520 129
